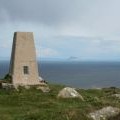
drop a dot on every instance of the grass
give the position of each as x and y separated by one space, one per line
32 104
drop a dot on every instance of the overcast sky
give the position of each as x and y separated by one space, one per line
82 29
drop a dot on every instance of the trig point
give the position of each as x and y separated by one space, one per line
23 65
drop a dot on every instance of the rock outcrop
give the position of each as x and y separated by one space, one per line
116 95
69 93
44 88
7 86
104 113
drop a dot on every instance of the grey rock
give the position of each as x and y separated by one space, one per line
104 113
116 95
7 86
44 88
69 93
27 87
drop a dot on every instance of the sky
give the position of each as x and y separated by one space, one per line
85 30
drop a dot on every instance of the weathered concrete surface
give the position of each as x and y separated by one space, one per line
23 54
69 93
104 113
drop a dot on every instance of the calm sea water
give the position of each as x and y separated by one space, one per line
77 74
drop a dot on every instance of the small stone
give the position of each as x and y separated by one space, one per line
27 87
43 88
7 86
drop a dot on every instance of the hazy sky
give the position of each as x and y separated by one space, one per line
86 29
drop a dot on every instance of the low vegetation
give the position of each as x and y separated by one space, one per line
33 104
7 79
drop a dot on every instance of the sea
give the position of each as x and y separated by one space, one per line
76 74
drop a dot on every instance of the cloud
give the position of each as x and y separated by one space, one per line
4 46
81 28
4 16
85 48
47 52
43 11
66 17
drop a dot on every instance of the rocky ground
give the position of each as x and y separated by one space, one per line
59 103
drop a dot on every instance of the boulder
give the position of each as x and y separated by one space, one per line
69 93
116 95
104 113
40 78
27 87
7 86
43 88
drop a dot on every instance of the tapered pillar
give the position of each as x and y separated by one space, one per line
23 65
